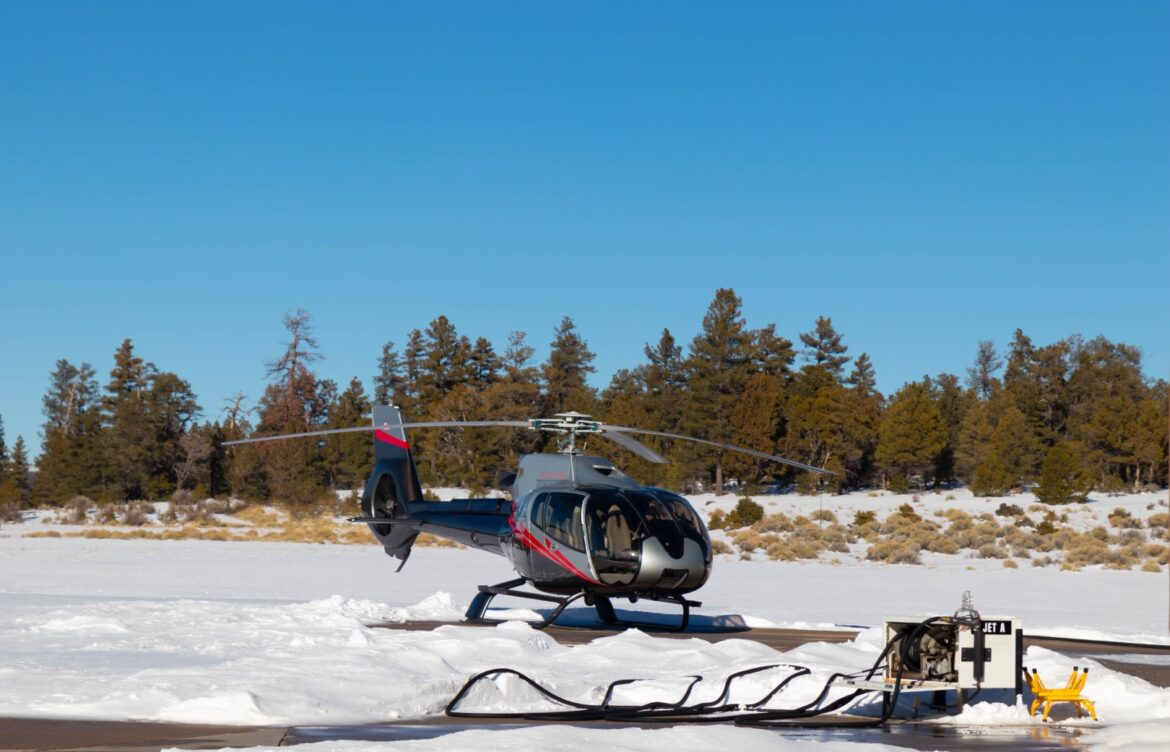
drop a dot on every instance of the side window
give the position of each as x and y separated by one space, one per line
538 510
562 519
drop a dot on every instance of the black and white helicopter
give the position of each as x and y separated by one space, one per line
574 526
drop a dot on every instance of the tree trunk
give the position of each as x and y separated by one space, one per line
718 477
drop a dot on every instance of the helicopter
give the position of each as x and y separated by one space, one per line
572 524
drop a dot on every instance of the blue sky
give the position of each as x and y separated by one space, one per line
927 174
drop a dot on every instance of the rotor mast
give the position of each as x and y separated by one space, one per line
568 424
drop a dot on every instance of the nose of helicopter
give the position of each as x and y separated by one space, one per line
661 570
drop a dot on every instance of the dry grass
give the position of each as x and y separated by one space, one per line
1010 564
259 516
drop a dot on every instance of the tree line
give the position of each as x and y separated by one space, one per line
1063 418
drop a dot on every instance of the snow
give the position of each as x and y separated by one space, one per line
278 633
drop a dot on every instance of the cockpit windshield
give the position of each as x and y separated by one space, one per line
659 521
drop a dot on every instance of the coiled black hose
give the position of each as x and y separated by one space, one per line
712 711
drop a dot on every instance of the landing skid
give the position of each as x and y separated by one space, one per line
605 611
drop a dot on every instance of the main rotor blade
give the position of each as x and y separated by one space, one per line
721 445
635 446
359 429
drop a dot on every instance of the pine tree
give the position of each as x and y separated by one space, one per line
18 473
755 424
773 354
569 362
952 405
823 347
661 406
348 455
517 360
483 363
389 383
1062 479
72 459
292 403
911 435
862 377
718 368
981 376
413 356
445 364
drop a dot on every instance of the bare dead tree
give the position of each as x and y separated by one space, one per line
196 450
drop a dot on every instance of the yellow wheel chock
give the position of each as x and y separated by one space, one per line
1070 692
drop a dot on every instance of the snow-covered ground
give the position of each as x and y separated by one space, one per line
277 633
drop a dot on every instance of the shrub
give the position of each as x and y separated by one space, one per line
943 544
76 511
746 513
863 518
1009 510
1043 561
824 515
1161 521
1151 565
775 523
10 511
1122 519
719 547
1009 564
135 513
908 512
893 552
992 551
718 520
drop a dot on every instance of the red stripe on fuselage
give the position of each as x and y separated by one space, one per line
555 557
381 435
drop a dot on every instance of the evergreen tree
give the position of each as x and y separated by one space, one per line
484 363
1062 479
515 396
389 383
718 369
952 405
446 362
773 354
347 455
862 377
517 360
830 426
981 376
413 356
293 403
911 435
564 373
72 456
823 347
660 404
755 424
19 473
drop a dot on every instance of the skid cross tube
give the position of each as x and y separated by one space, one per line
487 593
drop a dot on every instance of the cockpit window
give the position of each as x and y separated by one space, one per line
683 514
659 521
559 515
